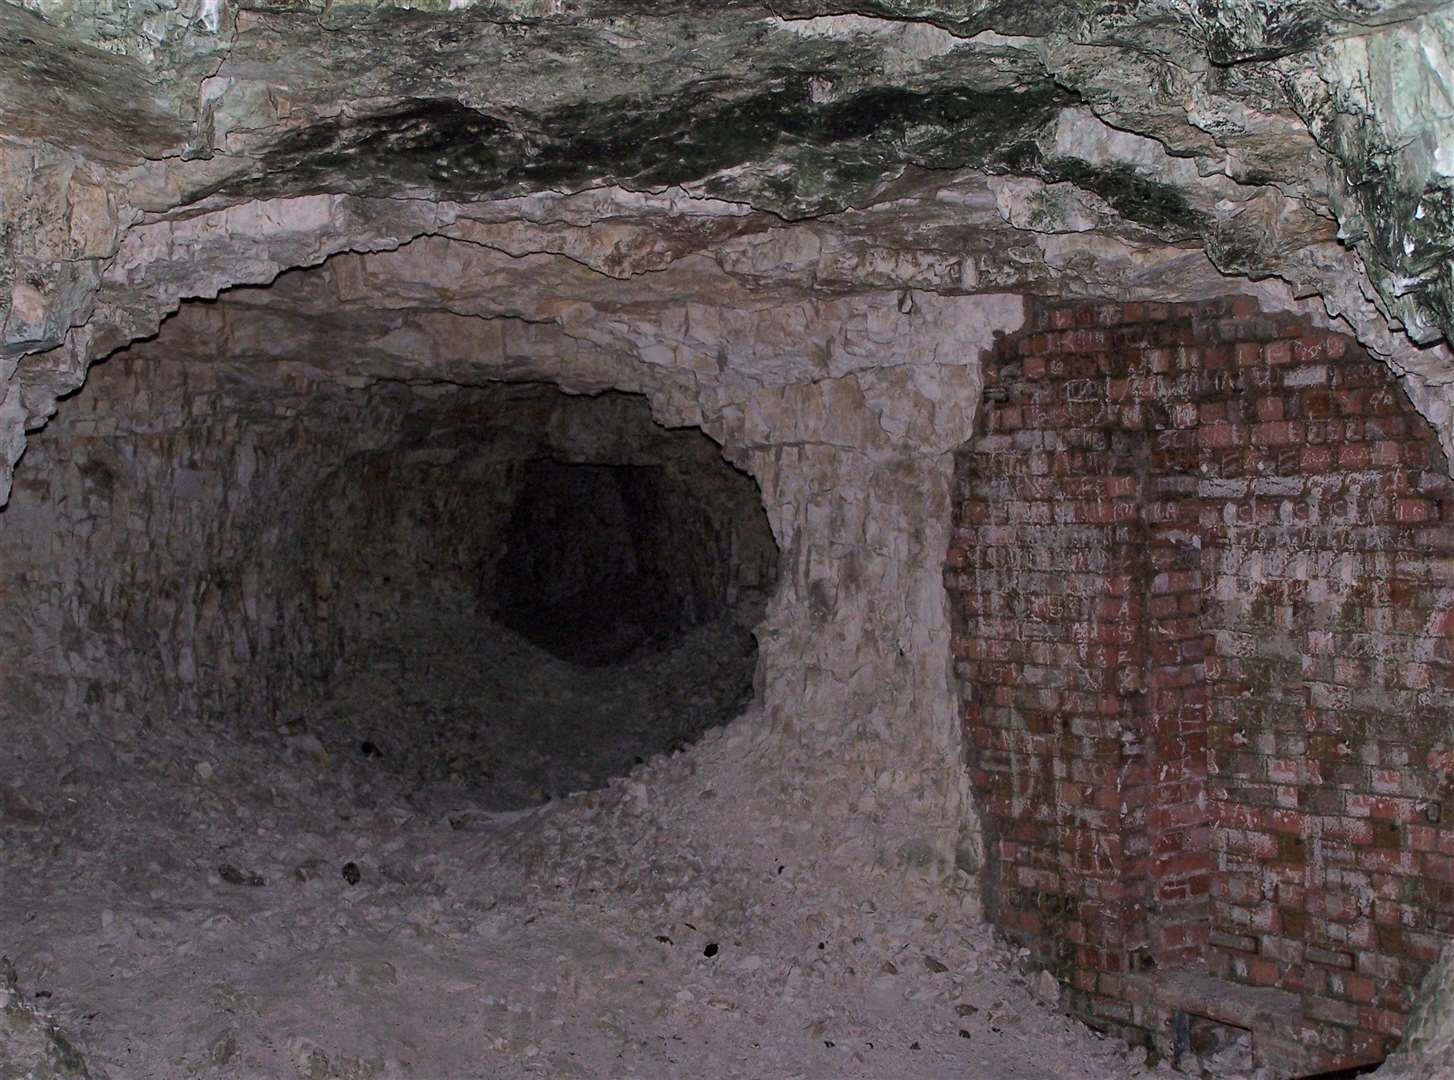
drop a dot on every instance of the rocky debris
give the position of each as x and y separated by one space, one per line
233 876
496 958
311 1062
32 1045
1047 988
503 725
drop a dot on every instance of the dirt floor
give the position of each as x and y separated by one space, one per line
290 904
462 712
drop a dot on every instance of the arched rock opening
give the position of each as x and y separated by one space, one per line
497 594
843 411
604 558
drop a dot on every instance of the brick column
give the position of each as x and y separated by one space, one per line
1203 581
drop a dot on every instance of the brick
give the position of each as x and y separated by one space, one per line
1308 375
1414 510
1331 1011
1236 942
1356 988
1256 970
1328 1041
1367 1048
1270 408
1278 352
1381 1021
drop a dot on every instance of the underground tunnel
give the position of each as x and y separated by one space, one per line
498 595
574 590
543 539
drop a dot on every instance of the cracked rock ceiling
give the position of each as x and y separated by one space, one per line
152 152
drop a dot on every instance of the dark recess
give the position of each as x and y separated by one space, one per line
599 562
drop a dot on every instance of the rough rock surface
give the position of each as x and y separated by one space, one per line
32 1047
1309 143
1428 1048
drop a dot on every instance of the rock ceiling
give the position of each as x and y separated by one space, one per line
153 152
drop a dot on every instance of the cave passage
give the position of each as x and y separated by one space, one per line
484 596
603 561
588 599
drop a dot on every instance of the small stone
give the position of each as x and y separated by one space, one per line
934 965
963 1034
888 968
223 1048
309 745
711 950
351 873
1047 989
204 770
233 876
964 1008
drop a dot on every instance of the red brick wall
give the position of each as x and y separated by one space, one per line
1203 583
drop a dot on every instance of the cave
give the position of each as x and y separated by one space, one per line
602 561
497 594
590 541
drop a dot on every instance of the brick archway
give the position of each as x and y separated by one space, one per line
1201 575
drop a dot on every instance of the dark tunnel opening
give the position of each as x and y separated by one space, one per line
603 561
590 587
